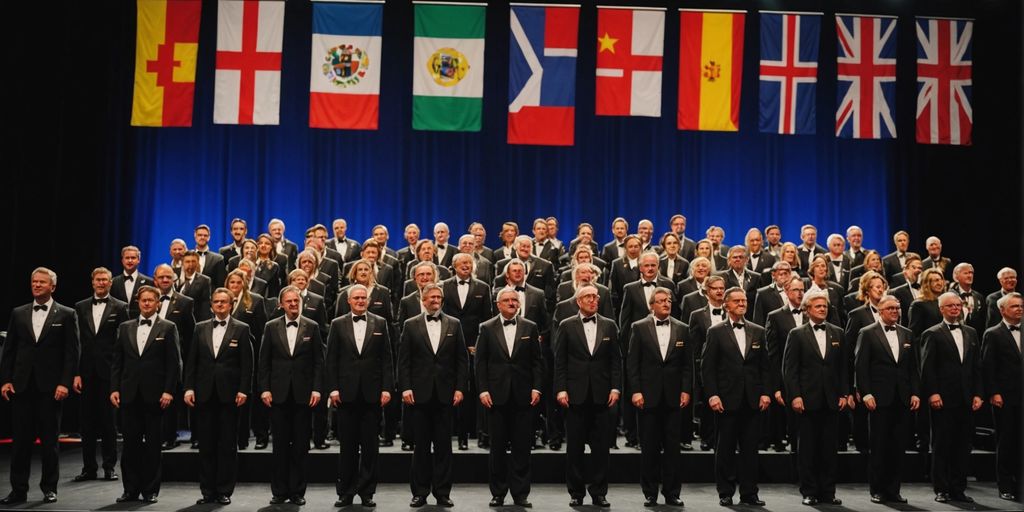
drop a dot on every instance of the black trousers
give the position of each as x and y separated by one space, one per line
431 425
887 432
358 424
291 423
320 422
140 458
776 429
952 430
554 414
816 452
587 423
35 414
255 417
510 422
1008 474
737 428
659 450
216 425
97 418
176 417
465 413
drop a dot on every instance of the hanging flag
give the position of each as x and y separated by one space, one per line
542 74
344 74
166 46
866 82
710 69
789 71
247 82
448 66
630 46
944 113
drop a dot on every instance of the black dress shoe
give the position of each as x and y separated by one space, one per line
321 446
496 501
600 501
277 500
725 501
223 500
49 497
522 502
962 498
168 445
127 497
753 501
84 477
367 501
206 500
343 501
674 502
385 443
705 447
686 447
810 501
418 501
463 444
942 497
1008 496
194 445
650 501
14 498
877 498
832 500
406 447
261 444
243 445
110 475
297 500
897 499
555 446
576 502
149 498
445 502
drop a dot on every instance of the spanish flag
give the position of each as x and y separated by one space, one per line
166 46
710 69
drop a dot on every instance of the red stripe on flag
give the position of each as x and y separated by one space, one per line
544 126
181 26
248 61
737 68
561 26
690 33
613 93
346 111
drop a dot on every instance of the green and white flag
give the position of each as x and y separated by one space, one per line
448 67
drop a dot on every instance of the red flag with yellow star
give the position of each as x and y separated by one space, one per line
630 46
166 46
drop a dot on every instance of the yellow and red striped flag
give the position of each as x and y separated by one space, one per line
166 47
710 69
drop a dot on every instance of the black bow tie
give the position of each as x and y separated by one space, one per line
433 319
890 328
954 327
508 322
520 288
738 325
145 321
220 323
128 278
39 307
965 295
650 283
99 301
1013 328
293 323
590 319
794 311
916 286
359 318
659 323
165 297
874 310
758 255
819 327
440 247
461 282
716 312
202 253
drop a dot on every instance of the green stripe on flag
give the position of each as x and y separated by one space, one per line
455 21
446 113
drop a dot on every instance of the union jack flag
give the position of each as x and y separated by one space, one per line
866 85
789 72
944 114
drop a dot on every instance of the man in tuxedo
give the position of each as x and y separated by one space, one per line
480 238
407 254
581 275
587 382
239 232
687 247
508 235
39 362
893 262
211 264
194 285
218 378
773 240
890 387
778 324
737 275
143 379
737 380
584 238
540 273
348 249
543 247
817 388
379 233
1007 278
905 285
177 251
98 319
1001 360
291 365
935 258
645 230
809 248
469 300
433 370
624 270
552 223
509 377
617 247
443 251
483 268
772 297
974 309
855 237
951 379
177 308
283 246
659 369
125 285
758 260
716 235
839 263
360 377
701 319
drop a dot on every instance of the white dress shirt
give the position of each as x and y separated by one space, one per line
664 332
218 334
142 332
97 312
510 333
292 331
434 332
590 332
39 316
359 333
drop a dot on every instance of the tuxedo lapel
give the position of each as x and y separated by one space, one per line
152 336
46 322
883 342
207 337
516 342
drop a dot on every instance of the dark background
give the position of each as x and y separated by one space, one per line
82 182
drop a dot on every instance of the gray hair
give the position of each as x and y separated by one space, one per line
1005 299
43 270
813 295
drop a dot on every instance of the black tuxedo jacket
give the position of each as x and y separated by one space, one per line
1001 360
610 251
587 378
634 306
259 286
687 248
477 309
332 272
699 323
230 251
944 264
483 269
679 271
942 371
410 306
751 280
879 374
285 375
661 380
379 304
487 253
157 370
117 291
219 378
856 257
549 252
763 267
291 254
923 315
778 325
737 380
179 311
200 290
347 249
891 264
686 287
620 274
313 308
427 374
510 378
977 317
604 296
541 275
842 277
820 381
535 308
906 297
807 255
359 376
255 316
215 268
836 306
51 360
766 300
98 341
993 316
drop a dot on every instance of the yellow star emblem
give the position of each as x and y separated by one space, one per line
607 43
